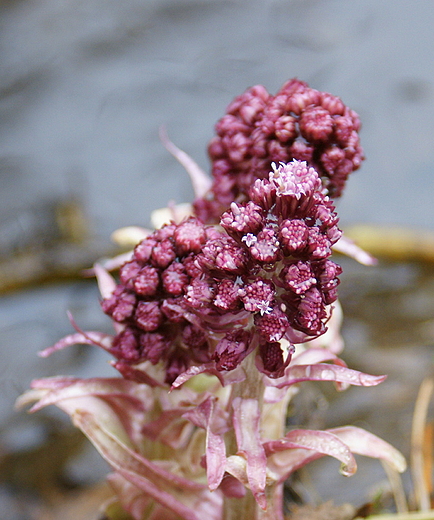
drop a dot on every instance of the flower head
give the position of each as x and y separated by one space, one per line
265 277
297 123
294 179
270 275
148 301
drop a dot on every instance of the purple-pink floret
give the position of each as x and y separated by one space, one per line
232 349
297 123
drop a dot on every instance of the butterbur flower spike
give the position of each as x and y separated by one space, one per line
220 315
267 274
270 275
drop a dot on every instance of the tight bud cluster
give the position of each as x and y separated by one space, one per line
274 265
297 123
148 301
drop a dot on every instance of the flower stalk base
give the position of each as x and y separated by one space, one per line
252 388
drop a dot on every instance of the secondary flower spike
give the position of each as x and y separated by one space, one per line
299 122
148 301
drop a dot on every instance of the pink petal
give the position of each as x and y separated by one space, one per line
80 338
299 447
206 368
325 372
134 374
364 443
54 382
170 428
349 248
120 402
111 263
314 355
160 495
106 282
133 500
61 388
215 459
246 419
203 416
199 179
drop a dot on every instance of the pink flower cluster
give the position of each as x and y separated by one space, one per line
149 301
265 278
299 122
234 300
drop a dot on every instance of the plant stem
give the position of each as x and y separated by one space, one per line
252 387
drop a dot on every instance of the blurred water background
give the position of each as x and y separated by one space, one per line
84 87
